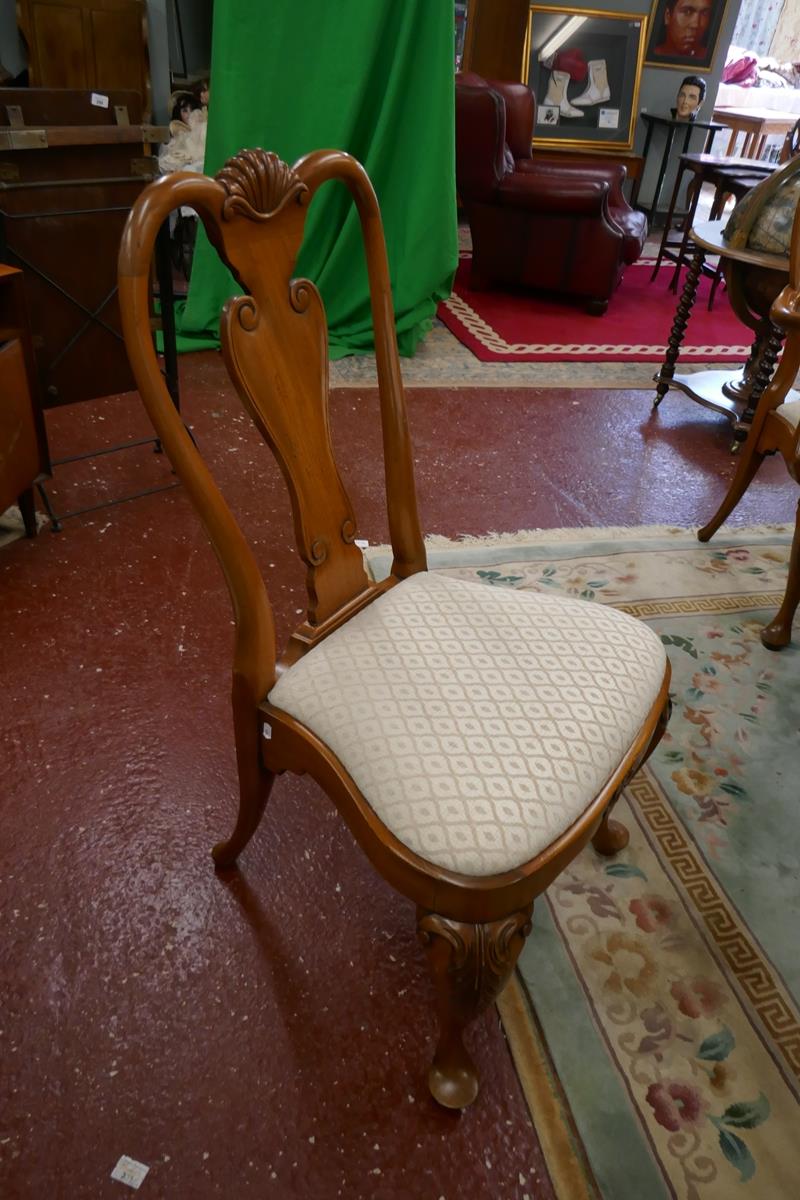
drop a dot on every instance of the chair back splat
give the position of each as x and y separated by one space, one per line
473 738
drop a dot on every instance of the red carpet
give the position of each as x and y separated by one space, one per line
522 327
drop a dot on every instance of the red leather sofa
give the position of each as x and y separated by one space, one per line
537 221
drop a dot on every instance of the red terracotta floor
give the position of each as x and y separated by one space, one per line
265 1034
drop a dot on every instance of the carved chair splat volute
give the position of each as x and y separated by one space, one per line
450 787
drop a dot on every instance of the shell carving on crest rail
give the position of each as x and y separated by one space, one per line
258 184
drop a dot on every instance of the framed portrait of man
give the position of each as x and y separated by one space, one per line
684 33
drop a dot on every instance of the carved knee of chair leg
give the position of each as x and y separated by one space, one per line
470 965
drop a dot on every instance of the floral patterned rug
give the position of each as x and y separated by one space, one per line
655 1020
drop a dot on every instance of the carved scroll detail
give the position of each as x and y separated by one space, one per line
300 293
258 184
318 551
348 531
247 314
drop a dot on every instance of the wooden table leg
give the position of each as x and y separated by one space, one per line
763 370
670 214
687 229
688 297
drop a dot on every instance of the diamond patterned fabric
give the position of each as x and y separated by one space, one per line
478 722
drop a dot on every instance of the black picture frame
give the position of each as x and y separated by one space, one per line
583 38
673 23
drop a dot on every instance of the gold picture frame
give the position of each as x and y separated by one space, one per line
584 67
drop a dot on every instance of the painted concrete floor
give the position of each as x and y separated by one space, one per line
265 1033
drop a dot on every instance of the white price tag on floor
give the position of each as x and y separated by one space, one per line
130 1172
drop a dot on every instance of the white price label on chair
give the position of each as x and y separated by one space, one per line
99 101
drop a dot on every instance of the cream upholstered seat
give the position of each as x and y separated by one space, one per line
474 738
790 411
478 722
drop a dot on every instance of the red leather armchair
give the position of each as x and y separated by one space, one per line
537 221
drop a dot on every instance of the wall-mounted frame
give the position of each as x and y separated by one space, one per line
584 67
684 33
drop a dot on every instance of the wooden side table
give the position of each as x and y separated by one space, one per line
756 124
754 280
702 168
24 459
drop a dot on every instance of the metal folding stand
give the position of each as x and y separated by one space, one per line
163 271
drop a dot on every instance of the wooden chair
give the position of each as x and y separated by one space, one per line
473 738
775 429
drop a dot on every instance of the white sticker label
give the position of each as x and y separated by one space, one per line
100 101
362 543
130 1172
266 731
608 118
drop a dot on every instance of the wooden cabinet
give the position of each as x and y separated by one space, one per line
495 37
23 447
96 44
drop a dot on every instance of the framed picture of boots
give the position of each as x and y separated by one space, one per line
583 67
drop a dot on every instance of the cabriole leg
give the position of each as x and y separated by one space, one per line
253 795
470 965
778 633
255 781
612 836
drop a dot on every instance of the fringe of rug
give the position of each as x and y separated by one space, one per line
437 541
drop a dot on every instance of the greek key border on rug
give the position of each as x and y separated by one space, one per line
694 606
744 958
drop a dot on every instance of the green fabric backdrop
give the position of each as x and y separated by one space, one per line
375 78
